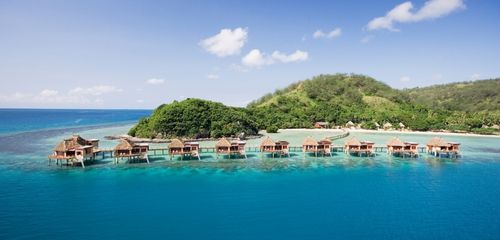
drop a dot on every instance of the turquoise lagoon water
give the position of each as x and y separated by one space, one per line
337 197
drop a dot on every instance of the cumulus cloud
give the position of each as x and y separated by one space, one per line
155 81
226 43
297 56
403 13
328 35
256 58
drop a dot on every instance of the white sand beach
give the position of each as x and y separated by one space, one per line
390 132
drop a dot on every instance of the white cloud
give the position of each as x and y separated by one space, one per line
403 13
155 81
330 35
256 58
226 43
48 93
404 79
79 95
140 101
367 39
297 56
213 76
95 91
15 97
475 76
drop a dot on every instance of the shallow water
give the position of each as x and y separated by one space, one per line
293 198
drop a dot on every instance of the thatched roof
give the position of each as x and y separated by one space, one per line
282 143
267 142
325 141
401 125
176 143
437 141
376 124
309 141
353 142
223 142
387 125
395 142
349 123
124 144
72 143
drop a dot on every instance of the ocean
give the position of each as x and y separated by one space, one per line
338 197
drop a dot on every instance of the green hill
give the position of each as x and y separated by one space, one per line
483 95
195 118
341 98
336 99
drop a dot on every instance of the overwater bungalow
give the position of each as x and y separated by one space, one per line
312 146
397 147
269 146
131 150
226 147
74 150
179 147
320 125
441 148
355 147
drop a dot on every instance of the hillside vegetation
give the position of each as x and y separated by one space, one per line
337 99
464 96
341 98
195 118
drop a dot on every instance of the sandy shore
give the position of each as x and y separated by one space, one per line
391 132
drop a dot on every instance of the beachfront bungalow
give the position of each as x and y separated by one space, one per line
355 147
401 126
387 126
179 147
312 146
269 146
226 147
441 148
397 147
377 125
350 125
130 150
320 125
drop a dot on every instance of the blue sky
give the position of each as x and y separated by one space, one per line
139 54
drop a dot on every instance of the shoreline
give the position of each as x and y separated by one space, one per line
390 132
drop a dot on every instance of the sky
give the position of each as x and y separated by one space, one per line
140 54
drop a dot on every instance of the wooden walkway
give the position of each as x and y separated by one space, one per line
108 153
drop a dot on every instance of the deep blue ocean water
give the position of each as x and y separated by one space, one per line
21 120
315 198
